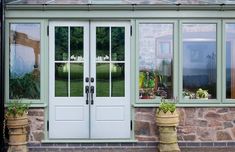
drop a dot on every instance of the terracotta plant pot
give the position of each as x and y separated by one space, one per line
17 127
167 123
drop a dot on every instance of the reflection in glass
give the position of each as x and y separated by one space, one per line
76 43
118 43
61 79
76 79
61 43
24 73
199 60
118 80
230 61
155 61
102 80
102 43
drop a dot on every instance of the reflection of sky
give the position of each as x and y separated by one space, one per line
32 30
22 58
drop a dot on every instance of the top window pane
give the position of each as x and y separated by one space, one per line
230 61
155 61
24 73
199 61
61 43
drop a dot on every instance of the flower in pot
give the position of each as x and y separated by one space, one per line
167 118
202 94
17 122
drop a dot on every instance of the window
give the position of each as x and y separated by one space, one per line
230 60
155 60
24 59
199 61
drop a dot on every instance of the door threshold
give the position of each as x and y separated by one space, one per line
89 141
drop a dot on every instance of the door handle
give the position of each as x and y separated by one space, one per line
92 92
87 93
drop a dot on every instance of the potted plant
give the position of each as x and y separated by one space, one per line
147 84
202 94
186 94
167 118
17 122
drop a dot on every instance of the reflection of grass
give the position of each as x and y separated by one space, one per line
102 89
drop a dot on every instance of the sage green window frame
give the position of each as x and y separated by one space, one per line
42 102
218 62
178 64
225 100
175 61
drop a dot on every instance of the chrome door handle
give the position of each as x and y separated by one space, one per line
87 93
92 92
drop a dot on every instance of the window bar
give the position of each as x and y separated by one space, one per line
68 63
110 60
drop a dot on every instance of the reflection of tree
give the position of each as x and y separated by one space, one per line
61 43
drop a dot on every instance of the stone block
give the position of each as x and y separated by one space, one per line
223 135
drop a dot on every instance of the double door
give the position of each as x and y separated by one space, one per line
89 81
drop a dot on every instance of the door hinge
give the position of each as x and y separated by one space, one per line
47 125
131 31
131 124
47 30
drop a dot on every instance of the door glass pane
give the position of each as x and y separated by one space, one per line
61 43
76 79
76 43
199 61
102 44
61 79
24 72
118 43
155 61
230 61
102 80
118 80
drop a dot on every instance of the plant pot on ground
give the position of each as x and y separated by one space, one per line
17 123
167 118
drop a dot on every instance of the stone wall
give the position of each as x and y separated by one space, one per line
36 125
196 124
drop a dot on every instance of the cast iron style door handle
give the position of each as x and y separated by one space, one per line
87 93
92 92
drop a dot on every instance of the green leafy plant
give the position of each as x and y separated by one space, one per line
201 93
17 108
166 106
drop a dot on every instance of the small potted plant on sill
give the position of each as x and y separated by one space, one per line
186 94
202 94
17 123
167 118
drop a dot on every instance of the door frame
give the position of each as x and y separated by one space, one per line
114 22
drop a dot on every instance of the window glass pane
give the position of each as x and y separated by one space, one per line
76 79
24 73
155 61
76 43
199 61
118 43
118 80
61 43
102 43
230 61
61 79
102 80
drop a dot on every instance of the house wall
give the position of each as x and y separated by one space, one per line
196 124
